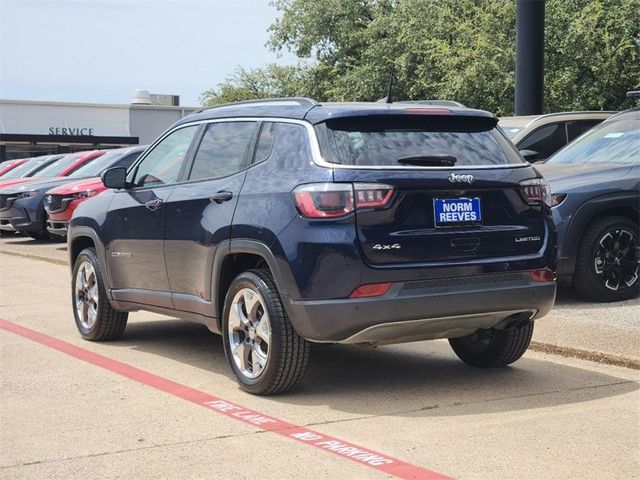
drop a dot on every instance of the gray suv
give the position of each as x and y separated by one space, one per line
595 185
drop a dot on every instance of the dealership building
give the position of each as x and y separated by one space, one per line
33 128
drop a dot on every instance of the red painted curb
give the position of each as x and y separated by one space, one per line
341 448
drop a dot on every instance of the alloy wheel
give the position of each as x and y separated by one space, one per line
249 332
479 341
616 259
86 295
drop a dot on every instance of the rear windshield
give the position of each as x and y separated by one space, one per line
57 167
415 141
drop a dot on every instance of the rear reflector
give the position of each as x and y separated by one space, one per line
371 290
542 275
332 200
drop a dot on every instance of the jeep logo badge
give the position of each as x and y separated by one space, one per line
456 178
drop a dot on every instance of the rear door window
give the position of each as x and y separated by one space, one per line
419 140
545 140
223 150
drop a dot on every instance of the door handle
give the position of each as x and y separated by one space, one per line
154 204
222 196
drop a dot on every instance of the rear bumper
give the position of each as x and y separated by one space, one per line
421 310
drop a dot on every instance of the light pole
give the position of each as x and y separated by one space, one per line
529 57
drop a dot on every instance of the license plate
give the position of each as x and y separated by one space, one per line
452 212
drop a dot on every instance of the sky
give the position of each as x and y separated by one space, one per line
100 51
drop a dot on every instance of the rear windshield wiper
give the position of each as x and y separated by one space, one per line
429 160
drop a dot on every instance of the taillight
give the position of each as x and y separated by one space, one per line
371 290
332 200
430 111
536 190
372 195
542 275
324 200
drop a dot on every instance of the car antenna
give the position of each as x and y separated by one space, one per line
389 98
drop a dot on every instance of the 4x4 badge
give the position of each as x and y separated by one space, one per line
456 177
379 246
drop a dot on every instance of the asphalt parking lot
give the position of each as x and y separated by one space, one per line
162 402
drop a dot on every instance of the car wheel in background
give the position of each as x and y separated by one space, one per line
264 351
57 238
39 235
95 318
493 348
607 265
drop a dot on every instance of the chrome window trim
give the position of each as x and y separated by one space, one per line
315 147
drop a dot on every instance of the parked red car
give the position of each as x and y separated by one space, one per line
30 168
62 167
62 200
10 165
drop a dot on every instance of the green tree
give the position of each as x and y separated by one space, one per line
462 50
270 81
592 54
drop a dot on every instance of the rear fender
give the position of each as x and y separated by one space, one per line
254 247
584 216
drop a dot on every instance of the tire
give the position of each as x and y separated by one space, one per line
39 235
493 348
57 238
606 272
95 319
266 358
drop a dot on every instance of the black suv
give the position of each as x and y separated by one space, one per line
282 222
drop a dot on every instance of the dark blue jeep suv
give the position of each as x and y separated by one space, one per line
282 222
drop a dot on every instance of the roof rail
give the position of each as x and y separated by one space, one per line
299 100
633 94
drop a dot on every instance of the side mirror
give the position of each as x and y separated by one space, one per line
115 178
529 155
